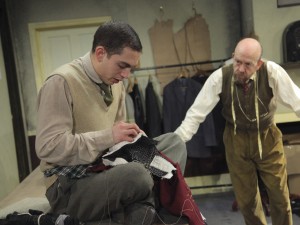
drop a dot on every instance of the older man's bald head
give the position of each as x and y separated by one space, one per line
246 59
249 47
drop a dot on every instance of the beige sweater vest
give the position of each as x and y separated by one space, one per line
90 112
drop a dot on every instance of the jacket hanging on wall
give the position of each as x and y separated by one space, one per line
153 116
138 106
178 96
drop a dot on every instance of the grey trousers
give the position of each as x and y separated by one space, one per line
95 197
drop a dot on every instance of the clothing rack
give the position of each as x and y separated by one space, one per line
181 65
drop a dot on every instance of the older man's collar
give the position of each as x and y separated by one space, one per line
236 81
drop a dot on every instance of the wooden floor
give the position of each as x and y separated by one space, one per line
216 208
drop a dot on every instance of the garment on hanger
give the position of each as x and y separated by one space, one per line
153 115
178 96
138 106
219 121
129 103
129 109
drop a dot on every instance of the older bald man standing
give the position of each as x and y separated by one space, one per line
249 90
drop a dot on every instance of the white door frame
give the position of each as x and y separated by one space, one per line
36 29
9 174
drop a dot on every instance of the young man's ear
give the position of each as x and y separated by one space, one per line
100 52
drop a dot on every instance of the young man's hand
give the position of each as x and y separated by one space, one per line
125 131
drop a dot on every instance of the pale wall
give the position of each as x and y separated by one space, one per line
269 24
221 16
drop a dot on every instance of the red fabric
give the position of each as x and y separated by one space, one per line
176 197
174 194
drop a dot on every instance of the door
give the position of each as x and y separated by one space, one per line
56 43
9 175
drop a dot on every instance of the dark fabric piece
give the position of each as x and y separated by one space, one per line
142 151
153 117
35 217
295 204
219 120
138 106
176 196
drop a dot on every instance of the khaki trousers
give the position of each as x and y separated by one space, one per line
243 161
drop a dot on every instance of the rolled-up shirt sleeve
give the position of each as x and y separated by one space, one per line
284 89
55 142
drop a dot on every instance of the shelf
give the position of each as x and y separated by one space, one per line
291 65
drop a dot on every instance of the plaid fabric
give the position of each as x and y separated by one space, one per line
77 171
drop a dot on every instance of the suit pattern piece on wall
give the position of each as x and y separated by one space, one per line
161 37
178 96
192 43
163 49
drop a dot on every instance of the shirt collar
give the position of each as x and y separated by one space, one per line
250 79
89 69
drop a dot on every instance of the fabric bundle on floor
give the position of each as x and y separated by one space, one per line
35 217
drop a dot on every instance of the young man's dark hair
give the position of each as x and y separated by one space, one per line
115 36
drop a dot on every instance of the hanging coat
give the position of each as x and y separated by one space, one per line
178 96
138 106
153 116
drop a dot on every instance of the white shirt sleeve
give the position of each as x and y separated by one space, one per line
284 89
204 103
